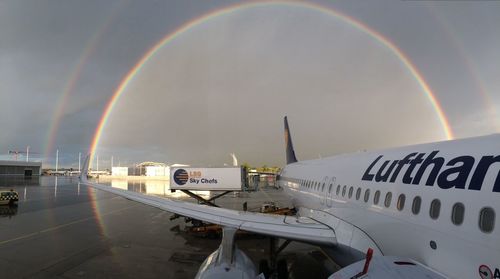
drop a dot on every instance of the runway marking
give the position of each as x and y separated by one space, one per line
60 226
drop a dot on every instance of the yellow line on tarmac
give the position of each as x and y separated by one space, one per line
60 226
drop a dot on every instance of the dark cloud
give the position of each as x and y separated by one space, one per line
342 91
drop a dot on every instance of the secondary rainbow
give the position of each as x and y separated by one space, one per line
74 77
234 8
470 67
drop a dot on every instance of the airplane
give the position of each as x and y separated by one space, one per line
421 211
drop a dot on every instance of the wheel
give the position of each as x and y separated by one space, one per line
264 268
282 269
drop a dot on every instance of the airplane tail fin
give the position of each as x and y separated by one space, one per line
290 152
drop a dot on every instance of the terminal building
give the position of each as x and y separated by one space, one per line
20 168
149 169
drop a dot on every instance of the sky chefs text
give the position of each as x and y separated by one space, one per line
181 177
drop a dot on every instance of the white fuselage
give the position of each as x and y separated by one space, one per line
456 229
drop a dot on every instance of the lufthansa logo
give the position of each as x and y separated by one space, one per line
181 177
485 272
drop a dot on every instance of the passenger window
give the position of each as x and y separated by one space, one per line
376 198
487 219
415 207
435 209
350 191
343 191
401 202
338 190
358 193
457 213
367 195
323 187
330 189
388 199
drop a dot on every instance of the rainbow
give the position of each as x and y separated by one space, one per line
238 7
471 68
63 100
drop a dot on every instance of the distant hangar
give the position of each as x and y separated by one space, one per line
20 168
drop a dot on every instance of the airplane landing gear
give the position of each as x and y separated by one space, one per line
278 268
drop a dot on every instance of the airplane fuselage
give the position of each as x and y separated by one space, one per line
436 203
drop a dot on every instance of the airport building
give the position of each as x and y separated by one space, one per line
148 169
20 168
158 170
119 171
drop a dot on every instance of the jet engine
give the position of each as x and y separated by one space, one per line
227 261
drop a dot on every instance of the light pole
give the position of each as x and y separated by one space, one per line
79 159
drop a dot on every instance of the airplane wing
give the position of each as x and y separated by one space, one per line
289 227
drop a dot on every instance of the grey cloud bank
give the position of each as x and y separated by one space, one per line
237 77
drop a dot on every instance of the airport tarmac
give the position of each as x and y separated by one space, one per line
61 229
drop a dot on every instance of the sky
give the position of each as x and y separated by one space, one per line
350 76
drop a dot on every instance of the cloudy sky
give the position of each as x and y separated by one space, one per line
345 73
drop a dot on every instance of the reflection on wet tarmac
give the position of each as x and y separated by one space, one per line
148 186
64 229
55 187
8 210
11 181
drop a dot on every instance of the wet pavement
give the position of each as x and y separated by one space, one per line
61 229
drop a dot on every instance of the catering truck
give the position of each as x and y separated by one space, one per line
207 179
